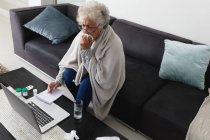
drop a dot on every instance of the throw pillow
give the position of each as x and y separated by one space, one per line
53 25
186 63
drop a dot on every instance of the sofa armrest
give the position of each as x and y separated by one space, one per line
20 16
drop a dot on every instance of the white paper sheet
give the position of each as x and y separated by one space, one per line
49 98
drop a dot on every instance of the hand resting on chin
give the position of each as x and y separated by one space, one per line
86 41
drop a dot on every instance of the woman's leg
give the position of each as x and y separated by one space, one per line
68 76
85 91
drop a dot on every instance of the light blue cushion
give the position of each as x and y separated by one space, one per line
53 25
186 63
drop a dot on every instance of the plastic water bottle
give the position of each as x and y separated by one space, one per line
18 91
34 92
24 92
71 136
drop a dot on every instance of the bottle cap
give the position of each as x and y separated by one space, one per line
34 91
24 89
18 89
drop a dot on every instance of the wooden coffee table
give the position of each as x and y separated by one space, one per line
88 128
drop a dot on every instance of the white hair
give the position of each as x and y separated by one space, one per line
96 11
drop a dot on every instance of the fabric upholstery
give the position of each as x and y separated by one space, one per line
141 82
53 25
186 63
21 16
143 43
40 49
171 110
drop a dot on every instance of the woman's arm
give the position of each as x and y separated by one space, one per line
59 77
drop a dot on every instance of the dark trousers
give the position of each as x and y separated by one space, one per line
82 91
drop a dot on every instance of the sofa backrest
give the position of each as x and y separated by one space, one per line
143 43
20 16
147 44
72 11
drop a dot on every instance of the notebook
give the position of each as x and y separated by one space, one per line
33 110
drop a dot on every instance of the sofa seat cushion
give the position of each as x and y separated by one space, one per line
170 111
42 50
142 81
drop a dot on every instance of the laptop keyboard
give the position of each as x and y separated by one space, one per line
42 117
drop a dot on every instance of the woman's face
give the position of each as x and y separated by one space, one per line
90 27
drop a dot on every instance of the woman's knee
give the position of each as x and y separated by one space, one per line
68 75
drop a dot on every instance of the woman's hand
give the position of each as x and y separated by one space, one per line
52 86
86 41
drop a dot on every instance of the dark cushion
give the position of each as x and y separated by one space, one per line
142 81
168 114
186 63
42 50
53 25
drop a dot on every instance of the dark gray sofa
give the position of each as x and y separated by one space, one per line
161 109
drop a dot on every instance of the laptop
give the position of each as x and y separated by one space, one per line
40 115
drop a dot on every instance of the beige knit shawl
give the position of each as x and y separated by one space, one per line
106 69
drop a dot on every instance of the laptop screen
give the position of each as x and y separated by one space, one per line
40 115
20 107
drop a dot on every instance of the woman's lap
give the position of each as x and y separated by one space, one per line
83 91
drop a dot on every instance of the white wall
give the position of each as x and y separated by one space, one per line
75 2
185 18
14 4
40 2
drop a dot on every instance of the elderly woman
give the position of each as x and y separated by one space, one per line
94 65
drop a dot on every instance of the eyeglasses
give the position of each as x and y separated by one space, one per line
88 28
